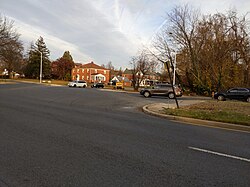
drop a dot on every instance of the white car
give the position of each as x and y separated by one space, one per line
82 84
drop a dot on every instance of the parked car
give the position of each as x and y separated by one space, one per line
76 83
162 90
98 85
234 94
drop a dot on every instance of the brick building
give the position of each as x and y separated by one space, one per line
91 73
128 74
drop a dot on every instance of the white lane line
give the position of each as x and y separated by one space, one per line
220 154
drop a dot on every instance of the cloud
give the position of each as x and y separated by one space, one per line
79 27
99 30
56 45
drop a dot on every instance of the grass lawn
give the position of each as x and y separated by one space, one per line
59 82
236 112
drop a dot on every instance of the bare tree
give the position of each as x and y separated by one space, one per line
141 65
178 36
10 46
224 56
182 22
214 49
163 48
12 57
110 66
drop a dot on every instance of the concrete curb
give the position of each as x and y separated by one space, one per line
200 122
118 91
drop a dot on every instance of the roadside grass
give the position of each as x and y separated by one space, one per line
3 80
65 83
6 81
59 82
235 112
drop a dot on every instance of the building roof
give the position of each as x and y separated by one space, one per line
92 65
77 64
120 78
127 71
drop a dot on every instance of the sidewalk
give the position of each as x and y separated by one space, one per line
157 109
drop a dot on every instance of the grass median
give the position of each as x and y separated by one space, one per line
235 112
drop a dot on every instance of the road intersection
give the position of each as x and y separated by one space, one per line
60 136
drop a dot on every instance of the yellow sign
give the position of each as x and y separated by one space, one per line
119 85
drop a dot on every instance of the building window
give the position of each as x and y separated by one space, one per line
87 77
95 70
87 70
82 77
77 70
83 70
104 71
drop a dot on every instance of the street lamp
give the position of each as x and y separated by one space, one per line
173 62
174 68
41 65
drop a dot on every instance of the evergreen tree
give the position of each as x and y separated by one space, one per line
61 68
34 60
67 56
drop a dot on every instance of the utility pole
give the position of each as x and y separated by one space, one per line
41 65
171 81
174 61
174 68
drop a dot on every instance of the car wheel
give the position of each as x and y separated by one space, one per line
221 98
248 99
84 86
74 85
146 94
171 95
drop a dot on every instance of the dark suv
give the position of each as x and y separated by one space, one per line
98 85
162 89
234 93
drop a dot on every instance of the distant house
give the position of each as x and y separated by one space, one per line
119 78
115 79
128 74
149 79
5 72
91 73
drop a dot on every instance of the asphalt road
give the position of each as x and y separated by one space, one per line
60 136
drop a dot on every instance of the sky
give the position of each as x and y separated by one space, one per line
100 30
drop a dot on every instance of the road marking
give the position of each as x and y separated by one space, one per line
220 154
128 107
